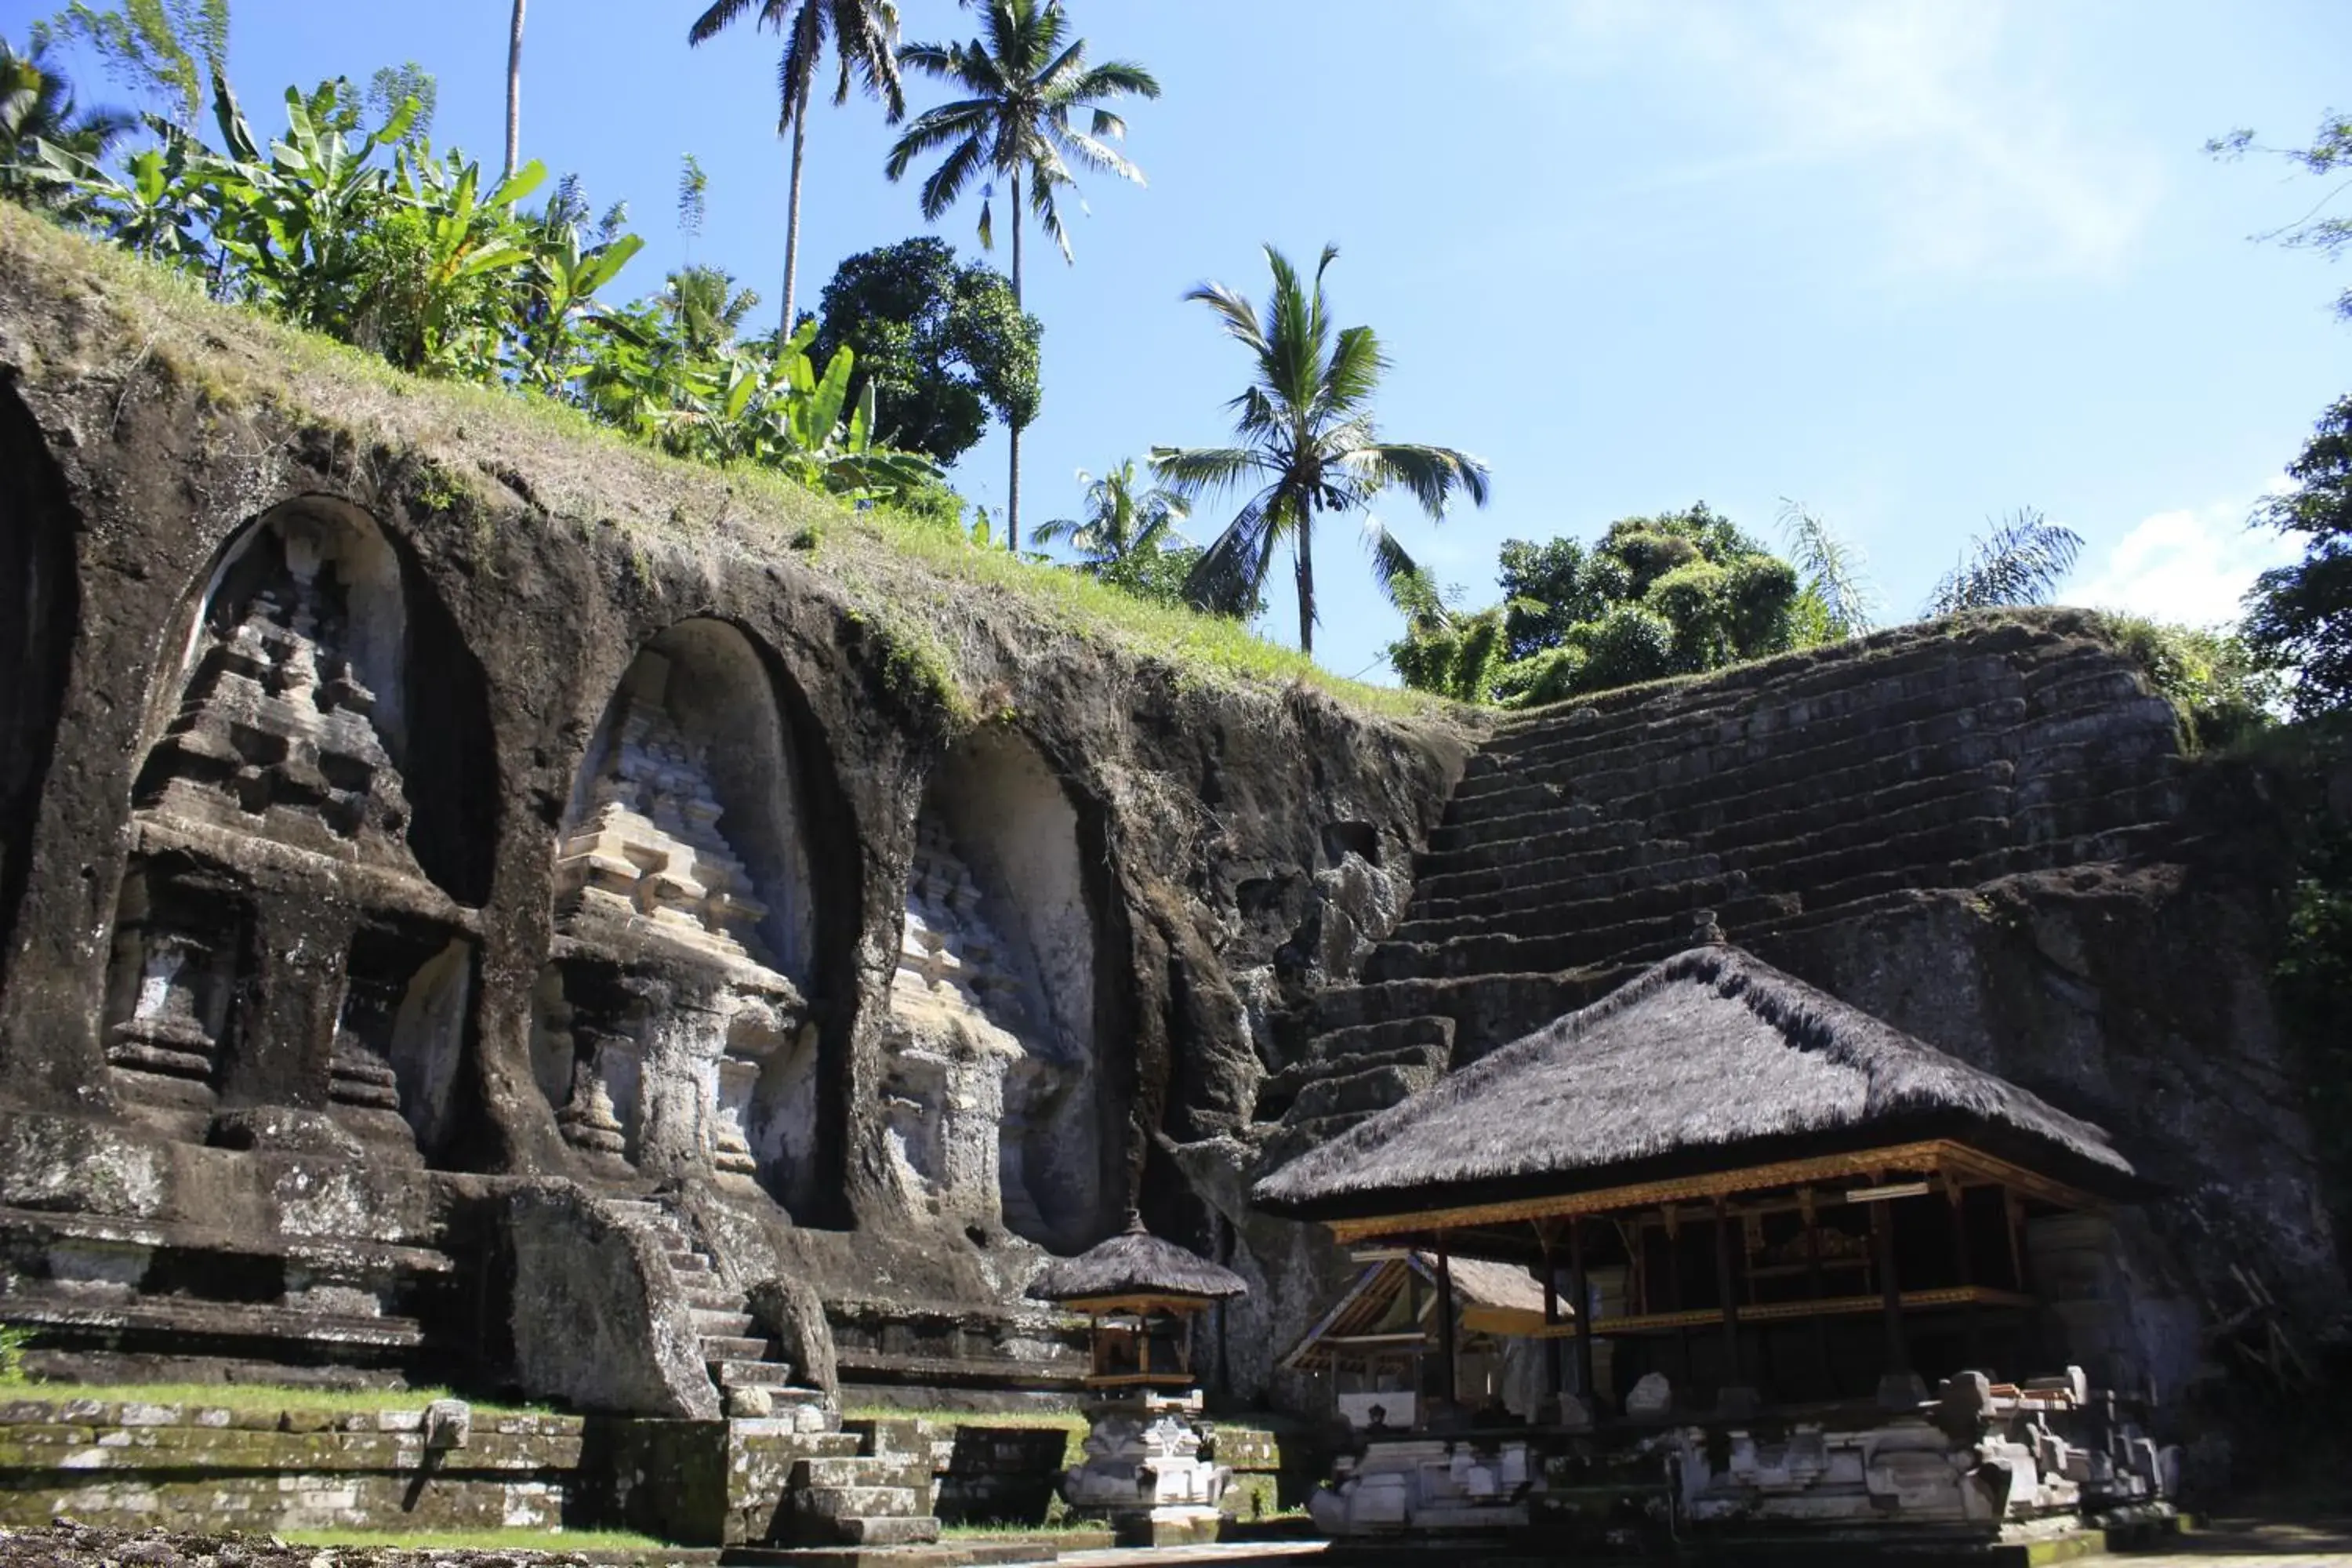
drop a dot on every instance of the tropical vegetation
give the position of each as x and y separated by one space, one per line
943 343
1307 445
1024 81
863 35
364 233
1132 535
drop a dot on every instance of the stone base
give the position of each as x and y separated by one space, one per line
1167 1527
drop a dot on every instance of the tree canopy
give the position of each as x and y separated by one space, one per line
1308 446
943 344
2300 614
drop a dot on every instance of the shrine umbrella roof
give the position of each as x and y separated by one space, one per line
1710 1061
1134 1264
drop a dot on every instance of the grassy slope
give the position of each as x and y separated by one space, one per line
937 595
254 1396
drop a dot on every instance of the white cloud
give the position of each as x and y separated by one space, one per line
2190 566
1955 138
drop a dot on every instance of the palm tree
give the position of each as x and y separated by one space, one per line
865 35
1024 81
514 90
1125 525
37 105
1307 441
2020 562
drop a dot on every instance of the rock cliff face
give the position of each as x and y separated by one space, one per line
401 788
408 801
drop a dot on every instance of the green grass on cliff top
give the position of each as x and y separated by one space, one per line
942 600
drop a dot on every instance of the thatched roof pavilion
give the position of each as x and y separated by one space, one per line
1742 1154
1139 1293
1710 1060
1136 1266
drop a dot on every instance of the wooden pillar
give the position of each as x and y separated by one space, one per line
1553 1372
1412 1316
1890 1291
1448 1347
1581 1283
1724 1283
1816 1287
1963 1270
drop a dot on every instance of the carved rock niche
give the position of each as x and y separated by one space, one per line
991 1108
277 942
672 1033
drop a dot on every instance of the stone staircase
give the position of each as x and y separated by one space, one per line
865 1484
735 1352
1582 840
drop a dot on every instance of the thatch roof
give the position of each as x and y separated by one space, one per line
1506 1297
1711 1060
1135 1263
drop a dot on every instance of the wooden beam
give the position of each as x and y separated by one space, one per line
1928 1158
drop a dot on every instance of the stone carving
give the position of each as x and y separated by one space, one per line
1144 1471
275 732
648 849
961 1074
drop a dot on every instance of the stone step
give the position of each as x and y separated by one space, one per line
751 1373
910 1472
856 1500
1679 751
709 1322
1809 677
1361 1093
870 1531
1937 742
689 1263
1537 908
1277 1094
638 1209
706 1293
1800 699
736 1347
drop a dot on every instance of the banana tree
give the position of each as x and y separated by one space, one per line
455 259
561 307
157 208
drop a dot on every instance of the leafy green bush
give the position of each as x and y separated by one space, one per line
2224 693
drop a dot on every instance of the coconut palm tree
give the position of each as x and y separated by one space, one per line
514 90
1024 81
1125 524
2020 562
1308 445
37 105
865 36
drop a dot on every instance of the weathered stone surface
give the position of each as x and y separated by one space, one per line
434 907
596 1316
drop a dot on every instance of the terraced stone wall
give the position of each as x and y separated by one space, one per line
128 1465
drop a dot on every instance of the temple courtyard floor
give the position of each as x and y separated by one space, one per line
2224 1542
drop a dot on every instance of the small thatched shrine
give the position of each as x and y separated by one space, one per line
1144 1471
1372 1350
1791 1217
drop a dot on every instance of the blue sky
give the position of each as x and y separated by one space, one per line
1913 264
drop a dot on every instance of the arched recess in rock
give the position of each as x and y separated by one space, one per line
1002 1102
40 601
316 827
673 1029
